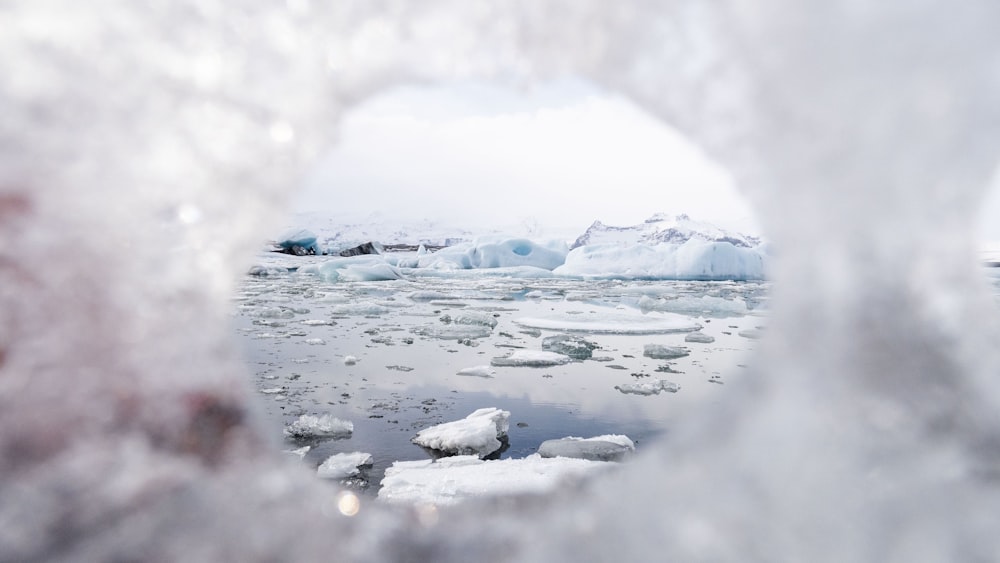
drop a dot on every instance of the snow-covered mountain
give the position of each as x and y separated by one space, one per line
662 228
340 232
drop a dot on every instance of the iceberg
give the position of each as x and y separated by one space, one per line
324 426
480 433
449 481
343 465
570 345
611 447
693 260
359 268
298 241
489 253
660 352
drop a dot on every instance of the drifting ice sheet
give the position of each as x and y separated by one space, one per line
323 426
343 465
649 387
531 358
614 324
611 447
479 433
454 479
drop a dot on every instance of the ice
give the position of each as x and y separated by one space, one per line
705 305
478 371
531 358
570 345
479 433
611 447
298 453
355 269
488 253
343 465
452 480
470 318
299 241
660 352
699 337
614 323
146 155
315 341
350 360
454 332
360 308
692 260
322 426
648 387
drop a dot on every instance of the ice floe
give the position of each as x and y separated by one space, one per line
692 260
479 433
477 371
648 387
610 447
531 358
343 465
570 345
322 426
660 352
354 268
614 324
706 305
699 337
452 480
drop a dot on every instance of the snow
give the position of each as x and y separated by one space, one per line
451 480
692 260
611 447
531 358
322 426
479 433
648 387
477 371
343 465
613 323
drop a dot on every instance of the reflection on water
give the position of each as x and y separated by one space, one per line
386 355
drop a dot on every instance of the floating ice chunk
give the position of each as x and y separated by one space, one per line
613 447
360 308
350 360
452 480
323 426
316 322
477 371
751 333
692 260
453 332
262 270
298 452
699 337
479 433
355 268
315 341
272 390
648 387
614 324
573 346
343 465
660 352
705 305
531 358
509 253
471 318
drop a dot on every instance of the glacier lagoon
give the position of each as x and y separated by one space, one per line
396 356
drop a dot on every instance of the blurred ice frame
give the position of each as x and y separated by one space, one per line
145 144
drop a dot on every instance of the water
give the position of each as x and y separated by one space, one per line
409 339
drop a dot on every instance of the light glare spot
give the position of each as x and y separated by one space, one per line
348 503
188 214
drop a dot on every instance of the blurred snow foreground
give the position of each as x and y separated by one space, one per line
144 146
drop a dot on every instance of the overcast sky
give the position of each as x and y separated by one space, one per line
560 155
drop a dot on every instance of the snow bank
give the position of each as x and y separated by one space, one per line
451 480
323 426
531 358
343 465
613 324
692 260
479 433
611 447
497 253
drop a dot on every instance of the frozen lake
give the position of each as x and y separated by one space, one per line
386 355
